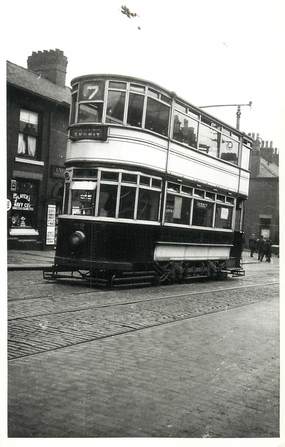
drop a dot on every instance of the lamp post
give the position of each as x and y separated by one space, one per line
238 113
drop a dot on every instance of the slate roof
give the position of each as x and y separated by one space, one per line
28 80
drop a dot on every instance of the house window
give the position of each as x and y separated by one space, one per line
28 134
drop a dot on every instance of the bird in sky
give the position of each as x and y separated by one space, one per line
125 10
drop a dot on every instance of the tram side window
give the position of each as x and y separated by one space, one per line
177 209
115 107
135 110
223 218
107 201
127 202
157 115
208 140
148 204
185 129
229 150
202 213
90 112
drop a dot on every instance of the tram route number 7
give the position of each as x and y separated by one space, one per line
92 90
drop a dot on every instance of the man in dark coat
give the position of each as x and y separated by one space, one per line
252 244
260 248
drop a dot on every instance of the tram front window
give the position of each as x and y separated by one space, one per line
115 107
90 112
83 198
127 202
108 199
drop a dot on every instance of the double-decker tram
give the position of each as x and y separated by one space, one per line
154 187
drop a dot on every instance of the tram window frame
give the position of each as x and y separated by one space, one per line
137 188
207 205
228 224
154 109
179 215
191 140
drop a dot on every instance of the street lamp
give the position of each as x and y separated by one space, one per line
238 113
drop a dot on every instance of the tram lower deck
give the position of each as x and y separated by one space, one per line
110 253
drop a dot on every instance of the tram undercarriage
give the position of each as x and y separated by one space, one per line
156 273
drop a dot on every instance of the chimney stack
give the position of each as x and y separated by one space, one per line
50 65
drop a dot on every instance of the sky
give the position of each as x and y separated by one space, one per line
208 52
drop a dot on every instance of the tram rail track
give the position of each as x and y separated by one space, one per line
37 334
141 299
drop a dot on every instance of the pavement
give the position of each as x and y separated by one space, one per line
39 259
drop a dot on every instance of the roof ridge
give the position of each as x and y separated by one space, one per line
38 76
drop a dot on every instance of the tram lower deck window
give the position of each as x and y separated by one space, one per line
108 199
223 218
148 205
177 209
202 213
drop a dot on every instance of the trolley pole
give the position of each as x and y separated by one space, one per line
238 113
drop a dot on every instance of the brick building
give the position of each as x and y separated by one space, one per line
37 119
262 206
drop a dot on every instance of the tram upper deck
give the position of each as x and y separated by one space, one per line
129 122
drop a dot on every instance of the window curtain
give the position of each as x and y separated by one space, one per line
32 146
21 144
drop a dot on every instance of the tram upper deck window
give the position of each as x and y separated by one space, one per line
157 116
135 109
92 93
185 129
229 149
90 112
115 107
208 140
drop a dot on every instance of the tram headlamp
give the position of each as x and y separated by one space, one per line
77 238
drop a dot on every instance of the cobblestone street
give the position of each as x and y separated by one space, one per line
193 360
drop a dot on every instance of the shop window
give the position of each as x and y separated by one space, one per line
148 205
177 209
185 129
157 115
28 134
223 218
202 213
24 205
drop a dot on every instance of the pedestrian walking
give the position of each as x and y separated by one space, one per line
260 248
252 244
267 250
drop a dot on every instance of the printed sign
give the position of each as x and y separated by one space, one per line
50 235
22 201
88 133
224 213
